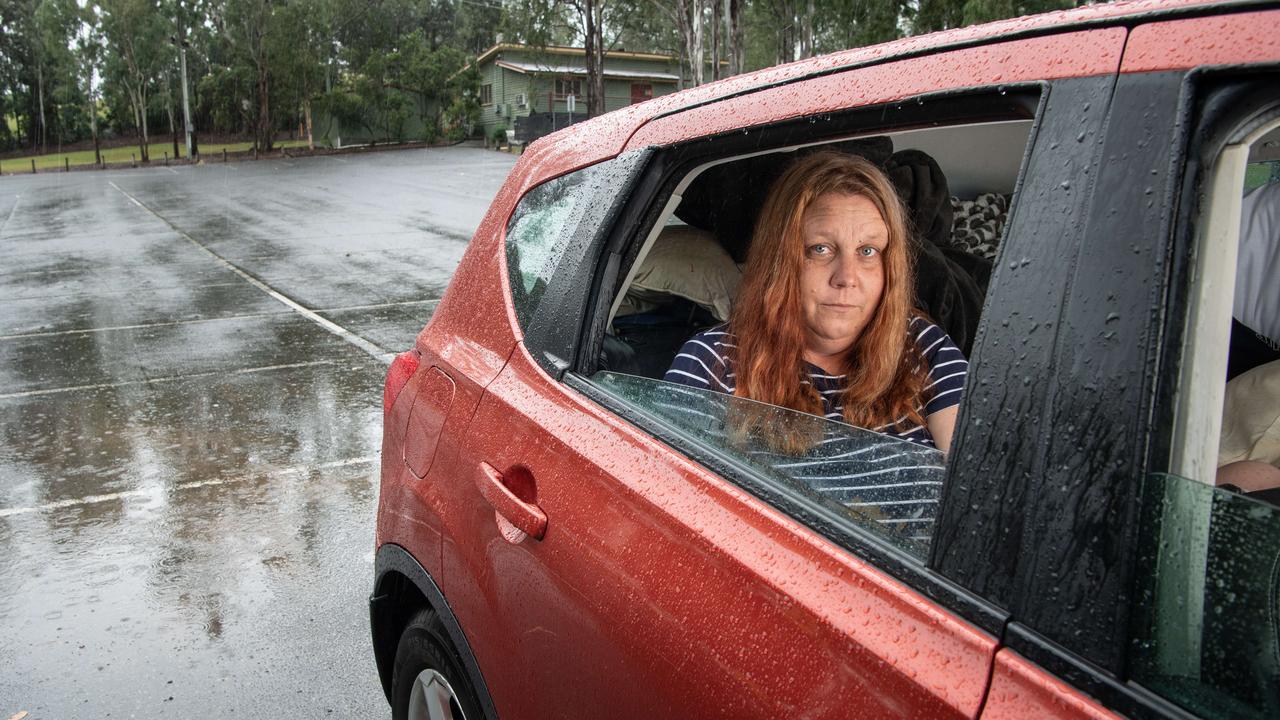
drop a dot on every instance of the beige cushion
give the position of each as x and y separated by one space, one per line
689 263
1251 417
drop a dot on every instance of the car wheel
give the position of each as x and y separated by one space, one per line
428 682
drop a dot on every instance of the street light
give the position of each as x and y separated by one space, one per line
193 150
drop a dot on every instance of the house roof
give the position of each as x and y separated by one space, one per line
574 51
542 68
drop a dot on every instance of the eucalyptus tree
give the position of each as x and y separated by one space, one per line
930 15
88 50
136 50
300 42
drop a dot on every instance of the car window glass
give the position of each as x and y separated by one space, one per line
1206 632
887 486
553 241
536 236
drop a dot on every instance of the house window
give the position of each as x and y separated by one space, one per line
641 92
486 94
566 87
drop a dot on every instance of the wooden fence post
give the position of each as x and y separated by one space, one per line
33 166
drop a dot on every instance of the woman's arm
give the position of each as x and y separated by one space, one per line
941 424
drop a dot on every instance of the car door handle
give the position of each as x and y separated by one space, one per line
525 516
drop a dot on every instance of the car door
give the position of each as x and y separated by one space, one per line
603 564
1151 592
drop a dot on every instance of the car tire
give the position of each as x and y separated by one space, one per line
428 682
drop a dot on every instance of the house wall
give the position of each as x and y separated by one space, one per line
509 84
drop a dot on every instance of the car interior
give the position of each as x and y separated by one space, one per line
957 183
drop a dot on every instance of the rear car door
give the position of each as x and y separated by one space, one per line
1152 592
605 563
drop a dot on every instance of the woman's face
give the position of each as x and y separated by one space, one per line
842 276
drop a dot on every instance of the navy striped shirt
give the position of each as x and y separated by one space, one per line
706 361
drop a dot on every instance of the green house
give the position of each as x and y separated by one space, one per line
537 90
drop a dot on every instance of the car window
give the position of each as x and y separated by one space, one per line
887 486
536 237
552 245
1206 632
869 491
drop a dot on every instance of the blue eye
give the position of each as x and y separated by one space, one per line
868 251
819 249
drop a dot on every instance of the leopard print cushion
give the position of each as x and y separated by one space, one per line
979 223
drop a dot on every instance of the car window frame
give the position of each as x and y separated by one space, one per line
650 198
1232 108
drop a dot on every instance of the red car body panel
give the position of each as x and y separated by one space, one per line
663 567
1079 54
1020 689
1196 42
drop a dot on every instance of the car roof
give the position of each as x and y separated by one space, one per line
605 136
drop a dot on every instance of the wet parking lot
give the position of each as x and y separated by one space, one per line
191 364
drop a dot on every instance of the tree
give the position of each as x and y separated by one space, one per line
135 39
248 23
301 43
432 76
89 53
931 15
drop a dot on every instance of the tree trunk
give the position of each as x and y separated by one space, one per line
597 80
593 34
806 32
737 44
306 114
787 31
146 136
137 124
173 127
264 111
44 133
93 127
699 64
715 38
686 35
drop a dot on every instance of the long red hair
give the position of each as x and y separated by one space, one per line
887 373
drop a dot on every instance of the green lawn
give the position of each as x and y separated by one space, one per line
124 154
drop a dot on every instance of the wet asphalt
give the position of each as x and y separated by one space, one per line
191 366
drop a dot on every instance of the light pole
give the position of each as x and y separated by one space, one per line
193 150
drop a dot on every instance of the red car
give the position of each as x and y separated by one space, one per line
562 534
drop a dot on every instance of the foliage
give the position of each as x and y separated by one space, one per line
396 69
499 134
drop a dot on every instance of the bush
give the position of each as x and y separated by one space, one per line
430 132
499 135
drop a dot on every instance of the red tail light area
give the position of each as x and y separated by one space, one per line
402 368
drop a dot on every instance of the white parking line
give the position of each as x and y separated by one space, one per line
167 378
141 326
16 199
147 492
378 353
196 321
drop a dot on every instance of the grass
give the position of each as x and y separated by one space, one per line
124 154
1258 174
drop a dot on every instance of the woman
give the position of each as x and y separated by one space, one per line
823 322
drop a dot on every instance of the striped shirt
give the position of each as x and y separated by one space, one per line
886 485
707 361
